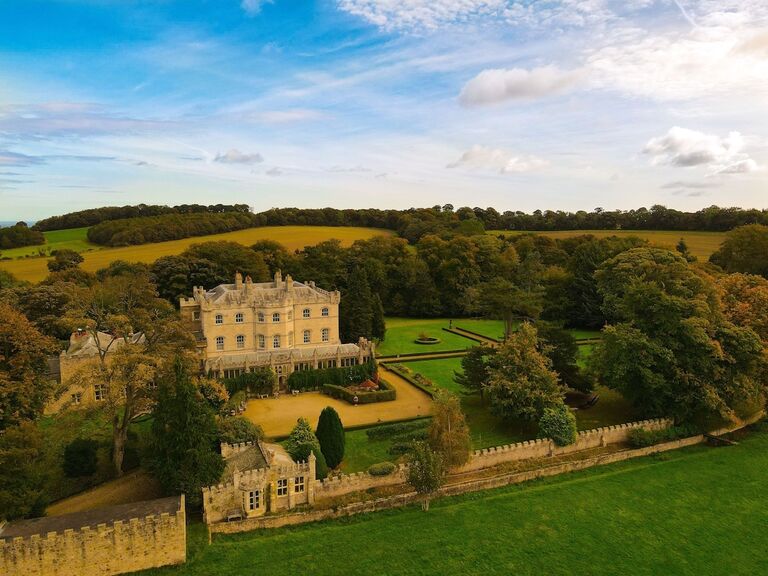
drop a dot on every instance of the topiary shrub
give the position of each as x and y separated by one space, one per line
559 424
397 429
330 434
80 458
382 469
236 429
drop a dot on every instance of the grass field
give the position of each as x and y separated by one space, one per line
402 333
74 239
693 512
701 244
292 237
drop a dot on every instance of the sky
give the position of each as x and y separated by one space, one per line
515 104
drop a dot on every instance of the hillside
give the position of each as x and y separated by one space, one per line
292 237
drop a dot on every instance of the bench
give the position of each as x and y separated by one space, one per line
234 515
295 392
262 396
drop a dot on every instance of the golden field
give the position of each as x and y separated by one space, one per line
700 244
292 237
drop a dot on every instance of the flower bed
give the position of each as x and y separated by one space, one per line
384 392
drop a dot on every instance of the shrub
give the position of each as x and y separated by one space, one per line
237 429
385 393
80 458
641 438
399 448
382 469
559 424
321 467
314 379
260 381
330 434
301 443
392 430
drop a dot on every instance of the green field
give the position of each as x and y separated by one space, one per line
402 333
74 239
693 512
700 244
488 328
292 237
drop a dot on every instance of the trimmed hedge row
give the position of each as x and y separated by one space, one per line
641 438
385 393
394 430
346 376
382 469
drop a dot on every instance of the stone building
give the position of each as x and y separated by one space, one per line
259 479
284 324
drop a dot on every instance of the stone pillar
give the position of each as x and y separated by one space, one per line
309 481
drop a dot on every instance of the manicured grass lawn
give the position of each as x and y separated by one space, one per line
74 239
489 328
360 452
292 237
580 334
701 244
402 333
693 512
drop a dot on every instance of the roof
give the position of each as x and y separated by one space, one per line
282 356
83 344
77 520
252 458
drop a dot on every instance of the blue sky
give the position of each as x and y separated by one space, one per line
553 104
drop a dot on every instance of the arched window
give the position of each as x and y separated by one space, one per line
262 341
261 316
219 342
307 337
219 319
326 334
325 312
276 341
239 317
306 313
240 341
276 317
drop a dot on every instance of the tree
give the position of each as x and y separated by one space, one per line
236 430
426 471
378 325
302 442
682 248
562 350
500 298
356 308
183 447
521 382
330 435
448 432
745 301
745 250
670 350
23 473
230 258
64 259
558 424
24 386
80 457
474 368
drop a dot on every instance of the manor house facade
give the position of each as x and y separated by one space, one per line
284 324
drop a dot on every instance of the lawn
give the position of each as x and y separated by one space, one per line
402 333
73 239
694 512
700 244
292 237
488 328
360 452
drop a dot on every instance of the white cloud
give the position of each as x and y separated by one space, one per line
497 160
253 7
234 156
685 148
416 14
498 85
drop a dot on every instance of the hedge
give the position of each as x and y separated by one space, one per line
385 393
382 469
393 430
346 376
640 438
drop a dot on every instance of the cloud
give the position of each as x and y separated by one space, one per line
234 156
8 158
497 160
498 85
274 171
691 185
253 7
685 148
419 14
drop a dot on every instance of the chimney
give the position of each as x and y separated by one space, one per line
278 279
238 281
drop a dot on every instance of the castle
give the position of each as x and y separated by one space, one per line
284 324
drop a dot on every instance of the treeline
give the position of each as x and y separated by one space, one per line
150 229
95 216
19 235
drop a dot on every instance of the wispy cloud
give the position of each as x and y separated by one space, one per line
234 156
497 160
8 158
253 7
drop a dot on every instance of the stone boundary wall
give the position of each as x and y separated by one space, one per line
357 482
105 549
449 490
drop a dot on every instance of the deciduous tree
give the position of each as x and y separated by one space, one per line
448 432
426 471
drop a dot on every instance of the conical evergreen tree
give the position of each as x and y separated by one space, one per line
184 437
330 433
356 308
378 326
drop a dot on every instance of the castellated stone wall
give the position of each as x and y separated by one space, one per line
101 550
346 483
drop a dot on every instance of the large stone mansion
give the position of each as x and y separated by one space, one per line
284 324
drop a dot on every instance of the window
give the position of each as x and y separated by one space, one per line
262 341
306 313
282 487
326 334
239 317
76 398
152 385
276 317
307 337
298 485
325 312
276 341
261 316
254 500
219 319
196 315
241 341
219 342
100 392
